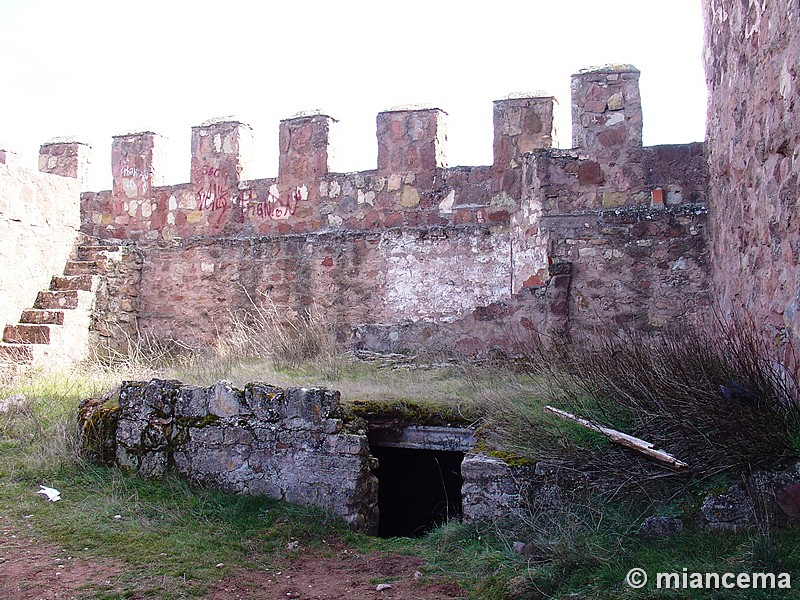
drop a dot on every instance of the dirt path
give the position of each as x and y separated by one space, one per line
347 575
30 569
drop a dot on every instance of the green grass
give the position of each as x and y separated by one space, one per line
170 535
161 529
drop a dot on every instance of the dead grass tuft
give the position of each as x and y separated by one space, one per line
715 397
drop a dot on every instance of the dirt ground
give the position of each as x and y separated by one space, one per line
30 569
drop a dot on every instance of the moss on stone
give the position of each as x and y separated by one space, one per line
197 422
510 458
406 413
97 430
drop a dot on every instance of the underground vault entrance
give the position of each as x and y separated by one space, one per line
419 477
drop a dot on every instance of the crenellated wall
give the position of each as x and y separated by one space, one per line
752 67
416 253
411 186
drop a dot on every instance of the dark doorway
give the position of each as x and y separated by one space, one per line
417 489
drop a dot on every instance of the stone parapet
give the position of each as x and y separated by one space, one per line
65 157
289 444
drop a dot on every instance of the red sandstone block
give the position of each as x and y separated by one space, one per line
72 282
372 220
85 267
435 220
95 252
66 299
500 216
393 220
590 173
594 106
16 353
42 317
657 198
463 216
533 281
27 334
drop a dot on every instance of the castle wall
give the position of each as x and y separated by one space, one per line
39 221
416 254
190 288
752 66
638 255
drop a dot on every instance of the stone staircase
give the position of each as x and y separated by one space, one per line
55 332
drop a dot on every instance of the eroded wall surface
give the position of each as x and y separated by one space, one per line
288 444
39 222
417 254
752 65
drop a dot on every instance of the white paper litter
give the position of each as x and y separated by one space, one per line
52 494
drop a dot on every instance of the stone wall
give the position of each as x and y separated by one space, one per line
115 316
633 251
287 444
39 221
293 444
434 277
752 66
417 254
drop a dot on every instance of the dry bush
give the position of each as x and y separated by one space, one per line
143 354
288 339
715 397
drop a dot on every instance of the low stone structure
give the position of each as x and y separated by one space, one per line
492 489
293 444
288 444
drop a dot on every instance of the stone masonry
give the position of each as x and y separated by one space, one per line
416 254
45 310
292 444
288 444
752 55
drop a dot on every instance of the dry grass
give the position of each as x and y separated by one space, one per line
38 431
714 397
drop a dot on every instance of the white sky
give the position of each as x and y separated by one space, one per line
96 68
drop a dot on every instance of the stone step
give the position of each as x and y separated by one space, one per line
66 299
42 317
27 334
16 353
85 267
88 253
72 282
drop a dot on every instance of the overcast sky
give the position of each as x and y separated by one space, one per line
96 68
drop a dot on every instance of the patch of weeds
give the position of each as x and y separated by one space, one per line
167 527
715 397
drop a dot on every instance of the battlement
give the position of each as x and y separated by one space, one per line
65 157
606 109
412 184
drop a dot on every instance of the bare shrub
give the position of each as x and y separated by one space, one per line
715 397
290 339
145 353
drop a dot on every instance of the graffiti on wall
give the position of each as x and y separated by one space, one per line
275 206
214 194
134 180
